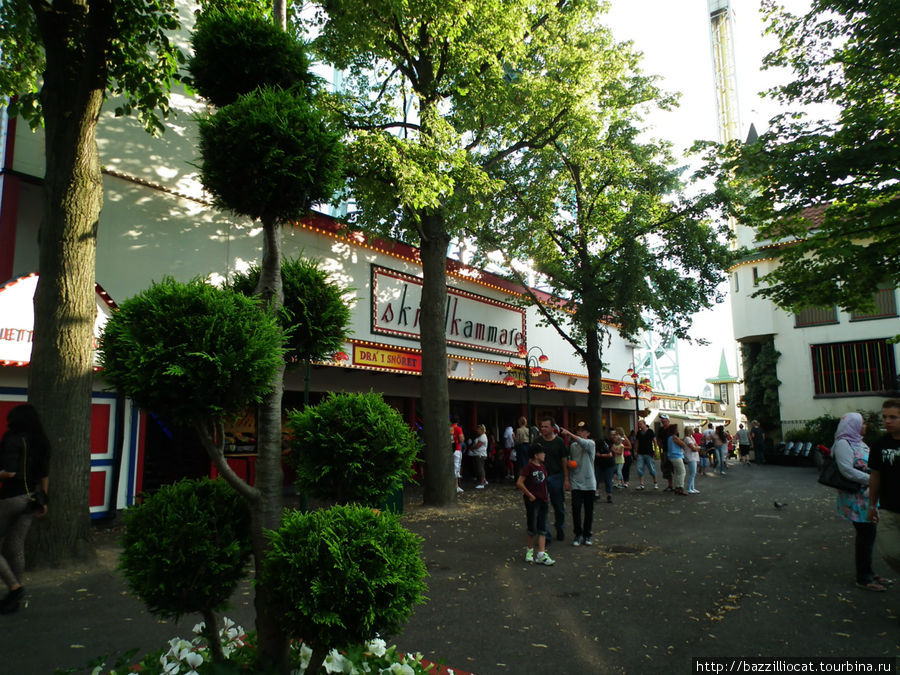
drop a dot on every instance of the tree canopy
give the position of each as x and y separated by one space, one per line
435 97
830 188
600 215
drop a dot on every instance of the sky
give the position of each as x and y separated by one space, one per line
674 38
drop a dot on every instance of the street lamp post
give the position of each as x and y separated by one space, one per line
641 386
534 358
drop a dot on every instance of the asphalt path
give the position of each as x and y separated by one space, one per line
720 574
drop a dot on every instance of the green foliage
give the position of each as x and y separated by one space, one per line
351 448
191 352
760 401
829 186
127 47
239 50
270 155
314 315
344 574
186 547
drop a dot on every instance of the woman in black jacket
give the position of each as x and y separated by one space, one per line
24 465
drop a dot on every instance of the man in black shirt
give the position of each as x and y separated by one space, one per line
645 459
557 463
884 485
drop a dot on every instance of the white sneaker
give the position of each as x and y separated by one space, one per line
479 487
529 555
694 492
576 541
459 489
543 559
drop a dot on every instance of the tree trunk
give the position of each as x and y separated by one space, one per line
440 484
273 647
60 376
594 351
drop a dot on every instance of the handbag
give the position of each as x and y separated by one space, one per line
37 499
831 476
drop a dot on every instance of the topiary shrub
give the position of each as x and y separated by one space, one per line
270 155
314 315
343 575
190 351
185 549
229 46
351 448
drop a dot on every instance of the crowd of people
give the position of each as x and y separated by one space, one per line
548 461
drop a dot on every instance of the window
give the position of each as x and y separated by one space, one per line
723 393
885 306
854 367
737 286
755 277
815 316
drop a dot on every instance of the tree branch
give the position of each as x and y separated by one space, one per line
215 451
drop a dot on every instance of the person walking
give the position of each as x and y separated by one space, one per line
532 482
583 480
479 454
758 442
851 455
522 436
24 471
720 438
691 458
884 485
645 459
743 439
675 454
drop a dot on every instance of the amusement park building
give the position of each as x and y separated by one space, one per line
831 361
156 222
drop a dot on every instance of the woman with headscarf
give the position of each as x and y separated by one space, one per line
24 463
851 455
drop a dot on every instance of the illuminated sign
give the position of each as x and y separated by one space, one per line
391 359
17 319
471 321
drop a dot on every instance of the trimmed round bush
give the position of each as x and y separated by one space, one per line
314 315
186 547
351 448
191 351
270 155
238 50
343 574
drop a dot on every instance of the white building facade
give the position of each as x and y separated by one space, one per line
831 361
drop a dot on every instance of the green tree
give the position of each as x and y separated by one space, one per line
760 400
314 316
436 95
218 356
352 448
268 155
599 214
185 549
61 60
829 187
361 574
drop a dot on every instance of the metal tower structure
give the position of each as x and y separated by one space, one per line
721 37
656 357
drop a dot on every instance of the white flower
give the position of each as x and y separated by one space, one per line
377 647
336 662
401 669
305 656
199 627
193 659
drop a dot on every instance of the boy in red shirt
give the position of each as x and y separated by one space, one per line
533 484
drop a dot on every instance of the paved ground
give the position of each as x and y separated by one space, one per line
723 573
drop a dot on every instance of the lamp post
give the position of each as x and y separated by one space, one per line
533 358
641 386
